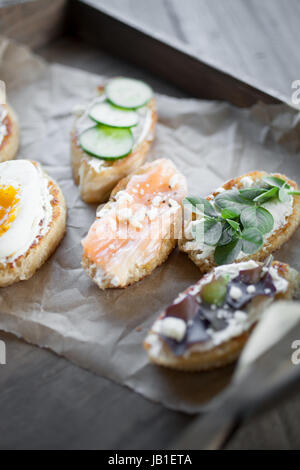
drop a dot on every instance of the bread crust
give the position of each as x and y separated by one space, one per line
228 351
10 144
273 243
94 186
42 247
138 273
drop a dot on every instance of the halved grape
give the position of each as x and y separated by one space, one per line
215 291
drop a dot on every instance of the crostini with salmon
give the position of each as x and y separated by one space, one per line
138 228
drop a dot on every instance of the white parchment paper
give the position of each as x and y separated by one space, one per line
60 308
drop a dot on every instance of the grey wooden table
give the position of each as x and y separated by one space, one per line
49 403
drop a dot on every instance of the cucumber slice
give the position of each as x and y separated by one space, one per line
107 143
128 92
110 115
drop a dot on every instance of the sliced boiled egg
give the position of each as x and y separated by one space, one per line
9 203
21 206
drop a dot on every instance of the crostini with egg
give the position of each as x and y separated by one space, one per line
138 228
9 133
208 325
111 137
32 219
249 217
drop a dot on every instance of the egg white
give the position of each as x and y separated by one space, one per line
26 178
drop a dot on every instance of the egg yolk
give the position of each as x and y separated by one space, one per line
9 200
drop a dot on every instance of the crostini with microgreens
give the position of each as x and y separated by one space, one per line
249 217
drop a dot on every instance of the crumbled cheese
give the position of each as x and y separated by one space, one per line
156 201
123 196
220 190
152 213
267 291
251 289
235 292
113 224
174 205
124 214
137 218
173 327
280 283
247 181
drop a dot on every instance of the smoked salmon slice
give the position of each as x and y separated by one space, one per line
137 229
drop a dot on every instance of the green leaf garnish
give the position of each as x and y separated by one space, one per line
212 231
283 194
225 254
257 217
228 234
235 225
252 240
274 181
271 194
201 205
229 214
232 201
252 193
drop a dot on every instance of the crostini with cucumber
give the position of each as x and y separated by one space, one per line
249 217
111 137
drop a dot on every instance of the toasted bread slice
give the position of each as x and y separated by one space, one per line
272 241
119 251
10 143
24 267
226 351
96 178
